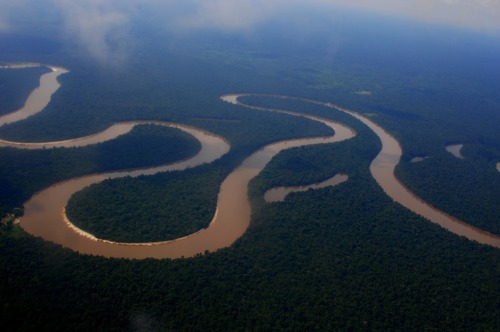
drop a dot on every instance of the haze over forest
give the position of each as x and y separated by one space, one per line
215 85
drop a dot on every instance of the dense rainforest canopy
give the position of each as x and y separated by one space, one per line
339 258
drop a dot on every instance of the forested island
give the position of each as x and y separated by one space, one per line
338 258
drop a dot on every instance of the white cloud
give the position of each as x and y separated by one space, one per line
475 14
98 25
6 7
101 26
243 14
231 15
4 26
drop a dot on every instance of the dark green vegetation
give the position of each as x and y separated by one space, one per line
466 188
16 85
341 258
147 209
23 172
143 96
308 263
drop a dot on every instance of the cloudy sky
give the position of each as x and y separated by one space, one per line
227 14
94 23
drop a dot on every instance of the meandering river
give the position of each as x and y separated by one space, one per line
45 211
382 169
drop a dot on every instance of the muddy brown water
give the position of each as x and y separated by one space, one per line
456 150
418 159
382 169
38 98
278 194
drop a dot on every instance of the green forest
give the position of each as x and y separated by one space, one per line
343 258
123 211
24 172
